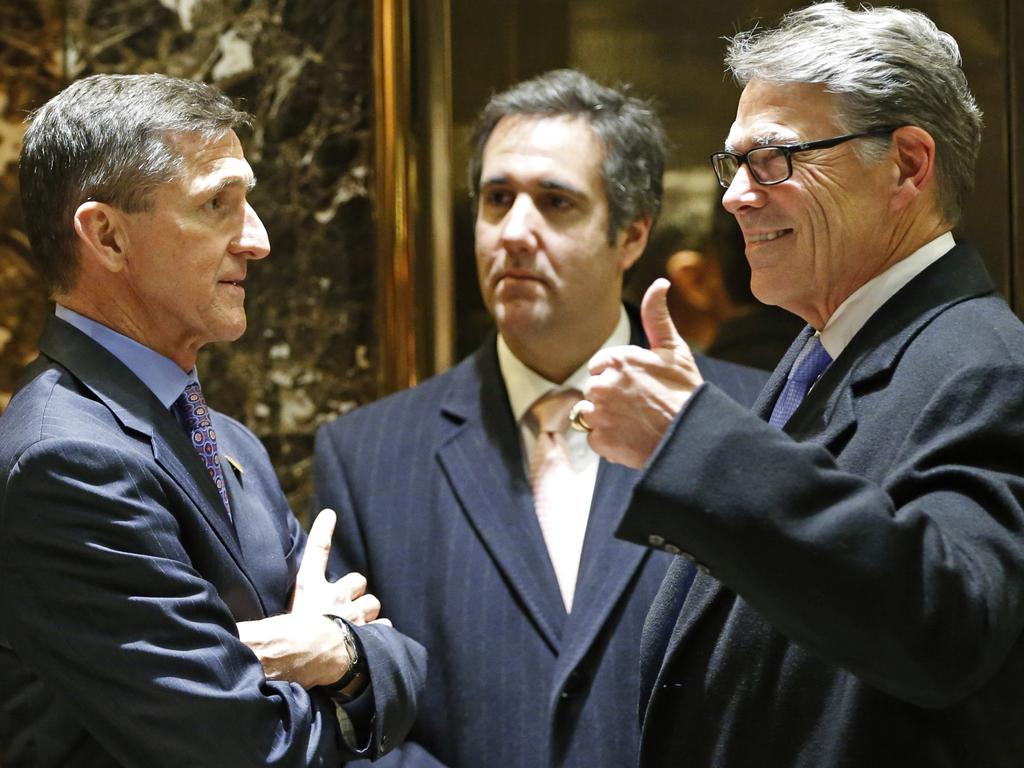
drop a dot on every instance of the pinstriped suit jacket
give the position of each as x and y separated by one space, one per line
122 579
435 508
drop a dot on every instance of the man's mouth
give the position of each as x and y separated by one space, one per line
762 237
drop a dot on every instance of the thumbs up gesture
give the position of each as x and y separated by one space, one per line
635 393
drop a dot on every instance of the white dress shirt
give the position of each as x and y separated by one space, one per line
860 305
525 386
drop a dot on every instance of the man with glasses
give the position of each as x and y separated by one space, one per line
859 599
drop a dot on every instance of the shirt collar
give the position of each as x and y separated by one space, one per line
524 385
860 305
160 374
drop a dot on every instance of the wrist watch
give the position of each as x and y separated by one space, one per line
356 663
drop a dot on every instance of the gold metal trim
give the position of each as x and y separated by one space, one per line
396 306
439 121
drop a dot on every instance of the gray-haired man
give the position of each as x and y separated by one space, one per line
861 600
153 610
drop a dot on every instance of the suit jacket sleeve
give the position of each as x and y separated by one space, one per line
332 489
138 643
913 579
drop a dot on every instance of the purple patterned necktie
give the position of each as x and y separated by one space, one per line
811 363
195 415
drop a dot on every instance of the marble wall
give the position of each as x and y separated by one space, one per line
304 69
31 70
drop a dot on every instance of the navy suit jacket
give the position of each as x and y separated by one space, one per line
122 579
435 508
864 600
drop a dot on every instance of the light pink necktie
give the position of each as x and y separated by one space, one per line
553 483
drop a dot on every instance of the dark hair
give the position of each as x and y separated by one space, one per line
889 67
108 138
626 126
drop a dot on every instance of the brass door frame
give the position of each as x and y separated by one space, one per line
415 295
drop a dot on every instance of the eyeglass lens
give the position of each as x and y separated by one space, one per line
768 164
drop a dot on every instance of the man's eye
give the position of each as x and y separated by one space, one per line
497 198
558 202
214 203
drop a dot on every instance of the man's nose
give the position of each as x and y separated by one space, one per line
253 242
518 229
743 192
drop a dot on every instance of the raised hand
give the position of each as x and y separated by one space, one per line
635 393
303 646
313 593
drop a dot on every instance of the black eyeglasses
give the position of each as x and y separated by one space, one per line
773 163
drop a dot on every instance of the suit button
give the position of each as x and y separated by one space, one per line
703 569
688 557
574 685
655 540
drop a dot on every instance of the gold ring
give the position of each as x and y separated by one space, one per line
576 420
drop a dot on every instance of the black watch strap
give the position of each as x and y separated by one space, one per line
357 664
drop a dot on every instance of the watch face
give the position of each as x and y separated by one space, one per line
353 649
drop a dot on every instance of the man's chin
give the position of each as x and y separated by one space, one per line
521 320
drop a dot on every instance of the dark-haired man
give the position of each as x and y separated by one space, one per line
153 610
481 521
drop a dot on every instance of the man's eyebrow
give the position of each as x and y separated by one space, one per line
763 140
559 186
545 184
494 181
229 182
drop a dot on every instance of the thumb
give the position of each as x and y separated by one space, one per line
658 325
318 547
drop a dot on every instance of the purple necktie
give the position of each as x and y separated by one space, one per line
195 415
811 363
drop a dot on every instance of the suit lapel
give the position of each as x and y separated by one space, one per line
607 567
607 564
482 462
139 411
263 557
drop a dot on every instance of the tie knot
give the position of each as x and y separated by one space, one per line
551 412
813 362
192 406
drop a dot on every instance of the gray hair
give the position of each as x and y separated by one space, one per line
108 138
627 128
889 68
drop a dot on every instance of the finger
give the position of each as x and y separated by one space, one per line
350 586
661 331
580 412
318 547
385 622
366 608
611 357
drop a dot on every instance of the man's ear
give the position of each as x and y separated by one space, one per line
915 164
697 279
633 240
101 235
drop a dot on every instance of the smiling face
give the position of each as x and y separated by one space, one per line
547 272
186 258
814 239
